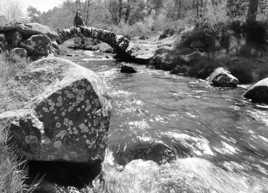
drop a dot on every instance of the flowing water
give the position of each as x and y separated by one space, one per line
219 140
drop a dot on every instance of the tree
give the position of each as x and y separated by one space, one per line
33 14
252 11
13 12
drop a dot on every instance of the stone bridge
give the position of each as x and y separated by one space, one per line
118 42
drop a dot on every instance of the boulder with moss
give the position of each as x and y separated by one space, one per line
68 119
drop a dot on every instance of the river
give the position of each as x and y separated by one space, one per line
219 140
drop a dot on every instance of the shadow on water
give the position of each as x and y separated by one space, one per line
62 173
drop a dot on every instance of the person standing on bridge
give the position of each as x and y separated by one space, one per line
78 21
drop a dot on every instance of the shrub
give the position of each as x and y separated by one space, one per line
241 69
255 32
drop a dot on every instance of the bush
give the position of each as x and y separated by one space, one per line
255 32
241 69
202 67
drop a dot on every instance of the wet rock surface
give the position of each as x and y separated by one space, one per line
127 69
222 78
68 120
258 93
158 152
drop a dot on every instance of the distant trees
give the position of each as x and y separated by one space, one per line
33 14
12 11
252 11
153 14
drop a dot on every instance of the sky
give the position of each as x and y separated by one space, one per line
42 5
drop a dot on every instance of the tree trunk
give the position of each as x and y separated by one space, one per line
252 11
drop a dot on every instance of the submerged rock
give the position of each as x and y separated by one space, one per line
146 150
127 69
67 120
258 93
191 175
222 78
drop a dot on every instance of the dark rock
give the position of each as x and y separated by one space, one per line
38 45
13 38
258 93
68 119
127 69
18 54
3 42
167 33
143 37
222 78
164 59
155 151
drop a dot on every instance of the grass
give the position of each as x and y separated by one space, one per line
11 177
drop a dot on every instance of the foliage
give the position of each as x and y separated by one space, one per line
11 177
34 14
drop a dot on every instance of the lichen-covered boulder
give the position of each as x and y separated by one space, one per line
258 93
18 54
69 117
38 45
222 78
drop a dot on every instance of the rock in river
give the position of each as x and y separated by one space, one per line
127 69
38 45
222 78
258 93
67 120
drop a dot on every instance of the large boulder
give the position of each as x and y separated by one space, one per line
258 93
68 119
38 45
42 29
222 78
29 29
